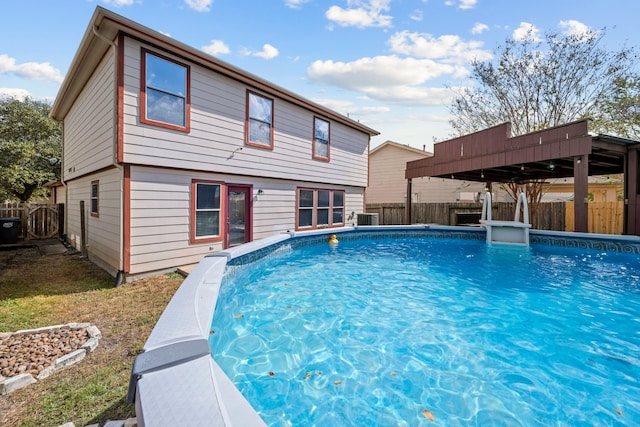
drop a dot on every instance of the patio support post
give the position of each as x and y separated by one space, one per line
632 193
581 193
407 204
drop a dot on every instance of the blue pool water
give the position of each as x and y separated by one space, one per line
434 332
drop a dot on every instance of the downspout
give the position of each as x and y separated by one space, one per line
120 275
64 185
103 38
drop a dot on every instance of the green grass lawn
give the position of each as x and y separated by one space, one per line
43 290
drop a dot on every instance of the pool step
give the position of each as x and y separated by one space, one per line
514 232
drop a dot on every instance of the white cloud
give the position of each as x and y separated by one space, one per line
403 77
405 95
417 15
462 4
527 31
197 5
467 4
369 111
295 4
216 47
447 47
119 3
30 70
388 78
267 52
361 14
575 28
348 108
7 92
479 28
379 71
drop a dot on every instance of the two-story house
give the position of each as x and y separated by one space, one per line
170 153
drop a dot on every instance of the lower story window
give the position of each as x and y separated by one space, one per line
94 198
338 208
305 208
324 205
206 211
320 208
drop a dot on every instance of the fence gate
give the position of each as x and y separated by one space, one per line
42 221
37 220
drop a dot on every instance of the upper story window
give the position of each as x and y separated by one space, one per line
206 213
259 121
164 92
321 141
94 197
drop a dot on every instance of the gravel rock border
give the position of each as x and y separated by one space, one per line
70 349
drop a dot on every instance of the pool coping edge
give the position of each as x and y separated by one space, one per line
188 318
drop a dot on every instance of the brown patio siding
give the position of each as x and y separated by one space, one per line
569 150
494 148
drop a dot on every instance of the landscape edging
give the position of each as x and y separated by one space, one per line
11 384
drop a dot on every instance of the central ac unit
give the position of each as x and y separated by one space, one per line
368 219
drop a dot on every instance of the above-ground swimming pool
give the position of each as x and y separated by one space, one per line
415 330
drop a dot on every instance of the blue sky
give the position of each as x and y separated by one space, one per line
385 63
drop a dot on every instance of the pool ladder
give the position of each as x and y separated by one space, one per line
515 232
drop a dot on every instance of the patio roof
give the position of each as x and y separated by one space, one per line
492 155
570 150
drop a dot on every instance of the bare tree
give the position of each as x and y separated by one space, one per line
536 84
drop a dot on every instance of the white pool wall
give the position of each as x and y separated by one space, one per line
186 387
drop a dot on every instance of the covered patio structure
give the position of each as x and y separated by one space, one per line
494 156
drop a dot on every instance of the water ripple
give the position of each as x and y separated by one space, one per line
389 332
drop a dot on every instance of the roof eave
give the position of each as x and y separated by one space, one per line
108 24
74 79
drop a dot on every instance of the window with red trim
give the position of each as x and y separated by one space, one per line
94 198
259 121
337 208
321 140
206 211
164 92
319 208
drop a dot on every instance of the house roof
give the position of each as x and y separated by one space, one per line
401 146
52 184
493 155
102 33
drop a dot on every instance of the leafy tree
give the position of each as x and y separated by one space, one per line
536 84
30 148
620 115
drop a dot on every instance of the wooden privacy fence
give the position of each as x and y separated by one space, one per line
551 216
604 217
37 220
